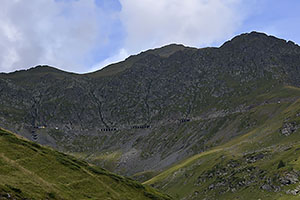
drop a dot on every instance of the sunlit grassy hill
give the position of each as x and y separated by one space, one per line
31 171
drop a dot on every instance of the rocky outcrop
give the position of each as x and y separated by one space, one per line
289 178
295 191
252 158
289 127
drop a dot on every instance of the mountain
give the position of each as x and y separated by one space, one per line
30 171
261 164
155 109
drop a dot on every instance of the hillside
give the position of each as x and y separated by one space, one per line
140 116
261 164
30 171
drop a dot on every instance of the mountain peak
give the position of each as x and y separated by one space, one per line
38 70
256 34
45 69
167 50
256 40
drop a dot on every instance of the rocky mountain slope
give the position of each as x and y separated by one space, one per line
142 115
261 164
30 171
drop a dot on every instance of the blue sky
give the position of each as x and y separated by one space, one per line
275 17
86 35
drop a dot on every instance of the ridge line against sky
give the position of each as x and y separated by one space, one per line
85 35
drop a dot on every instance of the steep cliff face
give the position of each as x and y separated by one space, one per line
154 108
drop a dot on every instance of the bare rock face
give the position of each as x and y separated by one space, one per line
289 128
255 157
266 187
290 178
295 191
154 108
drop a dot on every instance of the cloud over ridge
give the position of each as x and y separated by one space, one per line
191 22
59 33
75 35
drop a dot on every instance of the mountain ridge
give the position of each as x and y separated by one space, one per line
149 112
170 49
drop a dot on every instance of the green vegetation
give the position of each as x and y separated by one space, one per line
261 164
28 170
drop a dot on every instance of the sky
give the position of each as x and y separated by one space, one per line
85 35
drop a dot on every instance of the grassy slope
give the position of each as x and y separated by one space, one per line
28 170
220 173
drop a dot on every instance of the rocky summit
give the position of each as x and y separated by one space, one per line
153 110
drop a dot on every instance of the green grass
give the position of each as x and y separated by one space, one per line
28 170
107 160
179 166
202 175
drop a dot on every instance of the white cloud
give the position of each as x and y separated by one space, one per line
152 23
69 34
59 33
